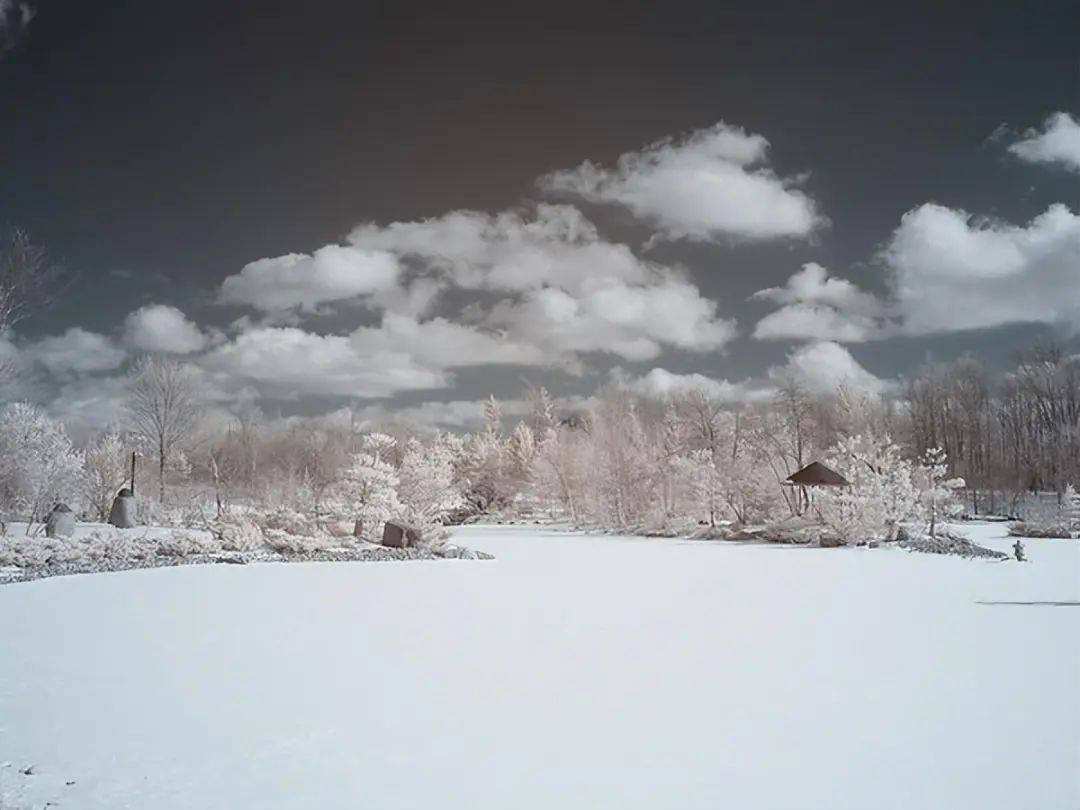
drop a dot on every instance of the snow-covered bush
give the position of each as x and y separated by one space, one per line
286 543
38 464
237 533
287 520
104 545
1040 529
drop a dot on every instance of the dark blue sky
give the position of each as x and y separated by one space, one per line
159 147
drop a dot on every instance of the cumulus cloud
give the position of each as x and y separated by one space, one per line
161 328
565 289
288 361
816 306
76 350
1058 142
952 271
661 383
553 290
712 184
823 366
635 322
88 403
331 273
399 354
555 245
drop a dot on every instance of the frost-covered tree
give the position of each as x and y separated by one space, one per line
1071 503
559 472
939 492
882 493
107 470
38 464
521 454
367 490
542 417
702 482
481 466
426 479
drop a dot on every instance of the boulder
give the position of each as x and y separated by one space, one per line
122 515
61 522
399 535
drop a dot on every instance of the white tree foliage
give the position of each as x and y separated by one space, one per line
39 466
882 494
107 470
367 491
939 494
427 481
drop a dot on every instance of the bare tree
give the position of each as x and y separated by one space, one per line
164 408
27 280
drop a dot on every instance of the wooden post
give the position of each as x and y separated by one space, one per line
132 472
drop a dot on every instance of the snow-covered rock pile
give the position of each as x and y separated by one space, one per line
951 544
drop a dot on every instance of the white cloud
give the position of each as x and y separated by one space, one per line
662 383
635 322
1057 142
823 366
331 273
555 246
817 307
288 361
714 183
161 328
440 343
567 290
76 350
399 354
951 271
456 414
87 404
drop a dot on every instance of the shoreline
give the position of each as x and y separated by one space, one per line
14 575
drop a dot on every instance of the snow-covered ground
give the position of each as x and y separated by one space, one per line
573 671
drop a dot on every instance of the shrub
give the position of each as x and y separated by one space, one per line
1050 530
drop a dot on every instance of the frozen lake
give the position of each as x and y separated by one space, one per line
572 671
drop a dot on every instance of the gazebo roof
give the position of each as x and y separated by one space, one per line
816 474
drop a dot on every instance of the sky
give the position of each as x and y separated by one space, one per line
406 207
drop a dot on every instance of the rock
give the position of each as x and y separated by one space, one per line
123 512
61 522
399 535
830 541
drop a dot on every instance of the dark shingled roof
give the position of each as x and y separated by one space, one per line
817 474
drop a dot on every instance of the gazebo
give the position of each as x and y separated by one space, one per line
814 474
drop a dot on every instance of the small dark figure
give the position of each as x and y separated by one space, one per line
1018 551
